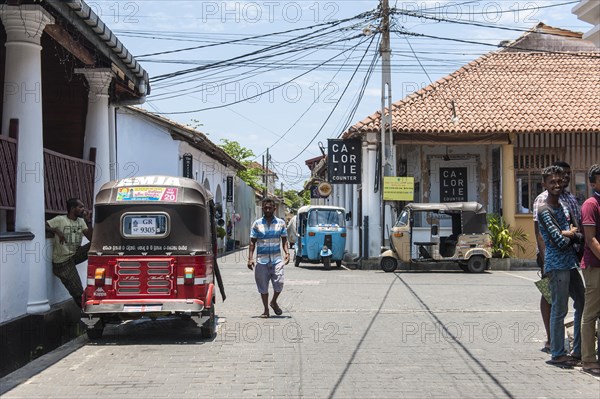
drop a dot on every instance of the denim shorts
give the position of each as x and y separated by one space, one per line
270 271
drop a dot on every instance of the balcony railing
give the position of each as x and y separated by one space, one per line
67 177
8 170
64 177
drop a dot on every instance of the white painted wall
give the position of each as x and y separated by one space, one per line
147 148
144 148
245 206
14 279
589 11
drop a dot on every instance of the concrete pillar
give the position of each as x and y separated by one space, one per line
509 199
97 123
23 100
371 200
349 223
112 138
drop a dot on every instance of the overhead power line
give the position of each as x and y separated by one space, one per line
405 32
334 108
261 36
284 44
269 90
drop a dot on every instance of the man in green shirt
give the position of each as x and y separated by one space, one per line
67 251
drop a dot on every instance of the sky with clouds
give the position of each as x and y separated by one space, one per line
311 90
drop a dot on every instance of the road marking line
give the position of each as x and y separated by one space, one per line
516 275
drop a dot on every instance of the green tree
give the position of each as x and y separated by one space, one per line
295 201
252 175
292 200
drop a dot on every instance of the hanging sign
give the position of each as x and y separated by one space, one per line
188 161
398 188
229 191
344 161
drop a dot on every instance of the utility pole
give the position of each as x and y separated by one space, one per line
388 164
267 174
264 176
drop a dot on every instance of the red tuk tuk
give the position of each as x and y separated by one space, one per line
153 254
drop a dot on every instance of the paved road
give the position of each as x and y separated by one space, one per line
343 334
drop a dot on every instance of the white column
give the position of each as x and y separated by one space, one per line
355 221
112 154
374 210
23 100
97 123
367 186
371 203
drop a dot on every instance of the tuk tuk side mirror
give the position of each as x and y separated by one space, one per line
348 216
434 230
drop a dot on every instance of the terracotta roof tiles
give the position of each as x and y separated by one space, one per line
504 92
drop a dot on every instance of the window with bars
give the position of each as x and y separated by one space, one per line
529 163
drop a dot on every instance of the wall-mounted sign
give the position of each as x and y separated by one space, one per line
314 192
398 188
229 191
188 163
344 161
453 184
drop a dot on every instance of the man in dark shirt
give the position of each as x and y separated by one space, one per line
590 264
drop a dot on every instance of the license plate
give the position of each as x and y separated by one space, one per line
143 226
142 308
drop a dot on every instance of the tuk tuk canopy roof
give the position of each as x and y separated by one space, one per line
472 214
306 208
184 203
184 190
474 207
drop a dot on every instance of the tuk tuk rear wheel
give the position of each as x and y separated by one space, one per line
338 263
95 333
297 260
327 262
208 330
477 264
389 264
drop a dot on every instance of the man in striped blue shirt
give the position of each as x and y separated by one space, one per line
268 235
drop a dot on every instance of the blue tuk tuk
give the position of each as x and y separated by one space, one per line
321 233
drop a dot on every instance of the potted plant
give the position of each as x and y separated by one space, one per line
505 240
221 233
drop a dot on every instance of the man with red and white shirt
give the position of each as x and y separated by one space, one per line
590 214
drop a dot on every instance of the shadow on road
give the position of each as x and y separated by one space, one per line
172 331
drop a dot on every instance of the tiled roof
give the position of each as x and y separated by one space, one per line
503 92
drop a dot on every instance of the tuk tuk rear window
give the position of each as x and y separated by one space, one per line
145 225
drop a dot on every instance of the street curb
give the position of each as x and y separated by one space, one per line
38 365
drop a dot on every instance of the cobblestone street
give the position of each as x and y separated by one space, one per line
343 333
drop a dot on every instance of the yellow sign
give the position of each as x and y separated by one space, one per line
398 188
